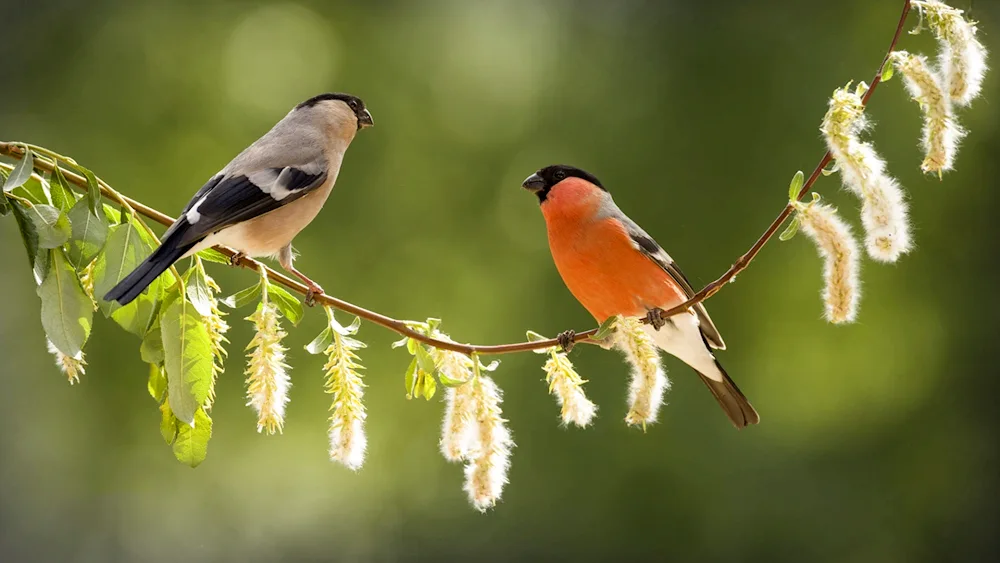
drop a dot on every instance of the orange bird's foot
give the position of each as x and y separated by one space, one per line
566 341
655 318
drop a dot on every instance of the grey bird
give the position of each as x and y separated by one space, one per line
266 195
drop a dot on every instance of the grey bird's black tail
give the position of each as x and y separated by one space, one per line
162 258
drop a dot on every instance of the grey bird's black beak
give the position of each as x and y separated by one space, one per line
365 120
533 183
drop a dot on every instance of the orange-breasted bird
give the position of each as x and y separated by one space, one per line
613 267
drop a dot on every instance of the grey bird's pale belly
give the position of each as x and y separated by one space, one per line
269 233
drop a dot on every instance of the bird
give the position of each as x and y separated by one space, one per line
612 267
265 196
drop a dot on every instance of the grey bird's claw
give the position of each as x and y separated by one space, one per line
565 340
655 318
234 260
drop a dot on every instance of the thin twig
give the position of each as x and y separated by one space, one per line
14 150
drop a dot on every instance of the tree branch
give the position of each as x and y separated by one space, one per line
17 150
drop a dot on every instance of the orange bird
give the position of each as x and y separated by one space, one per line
613 267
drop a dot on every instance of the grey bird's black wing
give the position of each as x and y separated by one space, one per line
230 199
654 252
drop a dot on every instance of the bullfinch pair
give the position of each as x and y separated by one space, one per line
613 267
266 195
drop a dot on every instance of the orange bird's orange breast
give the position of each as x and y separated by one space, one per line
605 272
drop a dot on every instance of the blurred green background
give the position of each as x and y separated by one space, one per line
879 441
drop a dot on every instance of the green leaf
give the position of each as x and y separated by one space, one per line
67 312
29 235
424 360
42 266
606 328
351 328
124 250
400 343
790 230
243 298
831 170
191 445
89 233
93 191
213 255
52 226
449 381
430 387
168 423
410 378
34 190
321 342
157 384
198 292
151 349
289 306
62 195
20 174
187 357
887 72
796 186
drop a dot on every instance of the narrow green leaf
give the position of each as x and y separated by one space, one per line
796 186
790 230
4 204
400 343
492 366
424 360
151 349
289 306
123 252
168 423
29 235
321 342
62 195
243 298
606 328
89 233
67 312
93 191
35 190
191 445
213 255
831 170
410 378
21 172
448 381
187 357
430 387
887 72
43 263
198 292
52 226
157 384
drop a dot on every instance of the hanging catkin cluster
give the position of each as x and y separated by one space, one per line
267 373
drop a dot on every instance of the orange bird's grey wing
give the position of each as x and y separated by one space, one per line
654 252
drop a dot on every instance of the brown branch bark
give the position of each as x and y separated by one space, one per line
15 150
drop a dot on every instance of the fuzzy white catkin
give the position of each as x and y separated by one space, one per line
486 470
348 441
962 60
649 381
567 386
458 432
267 373
71 366
941 133
884 212
833 238
458 436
